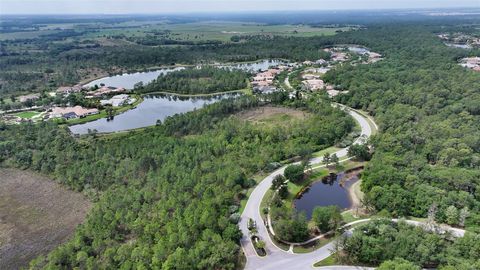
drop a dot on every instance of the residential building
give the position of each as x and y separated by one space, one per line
72 112
31 97
118 100
66 90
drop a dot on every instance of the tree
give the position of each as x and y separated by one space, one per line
398 264
326 159
292 228
327 218
335 160
260 244
464 213
451 214
283 191
294 173
359 152
277 181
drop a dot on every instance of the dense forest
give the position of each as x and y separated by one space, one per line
201 80
384 240
428 151
165 196
51 65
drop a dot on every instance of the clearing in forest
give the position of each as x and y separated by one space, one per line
273 116
36 215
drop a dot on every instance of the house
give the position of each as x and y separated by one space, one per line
66 90
72 112
118 100
264 89
310 76
31 97
314 84
105 90
339 56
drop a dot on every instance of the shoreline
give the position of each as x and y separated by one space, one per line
156 68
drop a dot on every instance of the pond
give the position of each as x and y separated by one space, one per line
128 80
153 108
331 190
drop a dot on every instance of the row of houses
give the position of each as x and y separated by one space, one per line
263 81
104 90
471 63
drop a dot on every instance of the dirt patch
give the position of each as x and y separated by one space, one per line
272 115
36 215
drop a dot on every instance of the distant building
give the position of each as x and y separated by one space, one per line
314 84
118 100
31 97
66 90
72 112
105 90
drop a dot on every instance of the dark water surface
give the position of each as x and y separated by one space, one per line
153 108
324 193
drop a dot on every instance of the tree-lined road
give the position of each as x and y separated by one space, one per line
277 258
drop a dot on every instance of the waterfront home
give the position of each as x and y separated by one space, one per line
105 90
72 112
118 100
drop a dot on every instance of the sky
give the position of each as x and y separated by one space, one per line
192 6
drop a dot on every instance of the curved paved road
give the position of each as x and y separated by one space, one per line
277 258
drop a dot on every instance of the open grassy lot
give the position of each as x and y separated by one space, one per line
273 116
27 114
36 215
217 30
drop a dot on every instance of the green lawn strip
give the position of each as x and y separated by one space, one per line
329 261
27 114
314 245
329 150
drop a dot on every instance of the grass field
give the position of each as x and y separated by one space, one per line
273 116
216 30
27 114
36 215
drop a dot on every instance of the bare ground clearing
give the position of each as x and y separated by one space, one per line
36 215
270 114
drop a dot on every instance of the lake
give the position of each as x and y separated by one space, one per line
153 108
128 80
326 192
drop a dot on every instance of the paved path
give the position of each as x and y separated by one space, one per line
277 258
